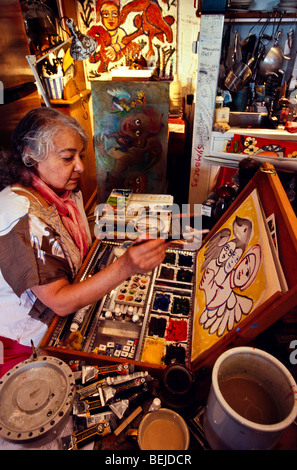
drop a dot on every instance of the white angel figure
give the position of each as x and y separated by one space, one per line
224 307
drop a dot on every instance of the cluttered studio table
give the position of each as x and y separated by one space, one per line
125 386
50 405
47 404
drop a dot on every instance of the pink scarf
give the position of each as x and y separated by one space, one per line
67 209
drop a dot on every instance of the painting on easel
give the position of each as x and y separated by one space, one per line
130 135
129 33
237 271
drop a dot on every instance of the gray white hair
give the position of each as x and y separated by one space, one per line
34 136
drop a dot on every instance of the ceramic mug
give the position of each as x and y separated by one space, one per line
163 430
259 403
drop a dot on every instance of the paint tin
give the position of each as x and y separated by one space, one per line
163 429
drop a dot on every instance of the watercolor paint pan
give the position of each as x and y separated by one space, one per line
153 351
176 353
157 325
161 302
185 275
179 259
177 330
185 260
175 274
181 306
170 258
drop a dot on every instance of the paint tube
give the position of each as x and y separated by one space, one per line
93 372
78 318
119 408
125 378
98 418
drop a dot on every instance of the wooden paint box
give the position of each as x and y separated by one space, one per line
159 321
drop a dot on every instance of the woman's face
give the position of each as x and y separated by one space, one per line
110 16
226 252
62 168
244 270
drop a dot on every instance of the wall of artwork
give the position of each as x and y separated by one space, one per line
174 44
130 33
137 34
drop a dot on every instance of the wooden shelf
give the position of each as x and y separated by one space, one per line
73 100
250 16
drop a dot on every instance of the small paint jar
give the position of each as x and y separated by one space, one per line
130 311
117 313
108 315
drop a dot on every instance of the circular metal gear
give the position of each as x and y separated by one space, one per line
35 397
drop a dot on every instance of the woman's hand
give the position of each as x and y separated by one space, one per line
144 256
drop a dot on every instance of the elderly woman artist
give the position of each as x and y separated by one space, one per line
44 234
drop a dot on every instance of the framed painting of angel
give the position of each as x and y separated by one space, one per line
237 271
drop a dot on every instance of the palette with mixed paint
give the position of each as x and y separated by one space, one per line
133 292
127 301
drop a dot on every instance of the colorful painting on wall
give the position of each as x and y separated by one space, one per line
129 33
130 135
237 271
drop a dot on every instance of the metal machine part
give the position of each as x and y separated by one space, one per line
35 398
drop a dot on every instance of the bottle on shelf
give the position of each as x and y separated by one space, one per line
175 96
